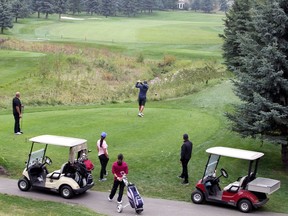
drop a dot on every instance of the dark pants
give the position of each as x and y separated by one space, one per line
114 189
141 101
185 170
103 161
17 123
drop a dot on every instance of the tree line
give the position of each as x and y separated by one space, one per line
208 6
256 51
15 9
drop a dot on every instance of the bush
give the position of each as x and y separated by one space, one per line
140 58
167 61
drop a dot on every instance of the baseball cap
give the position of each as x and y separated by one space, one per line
103 134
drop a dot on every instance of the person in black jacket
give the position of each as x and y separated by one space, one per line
17 113
185 156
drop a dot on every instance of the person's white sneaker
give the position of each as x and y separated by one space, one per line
18 133
139 114
119 202
142 114
109 199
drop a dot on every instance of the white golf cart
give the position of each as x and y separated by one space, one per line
246 193
72 178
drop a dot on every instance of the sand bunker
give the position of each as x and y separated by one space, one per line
71 18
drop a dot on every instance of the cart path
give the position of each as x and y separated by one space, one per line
98 202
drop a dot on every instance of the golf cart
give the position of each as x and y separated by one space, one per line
72 178
246 193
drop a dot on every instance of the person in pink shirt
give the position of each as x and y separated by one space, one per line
103 156
119 168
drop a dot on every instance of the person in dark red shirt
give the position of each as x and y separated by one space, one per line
119 168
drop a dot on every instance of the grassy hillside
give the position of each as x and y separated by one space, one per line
83 85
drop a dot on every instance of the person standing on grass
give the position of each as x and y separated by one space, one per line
103 156
119 169
17 113
142 96
185 156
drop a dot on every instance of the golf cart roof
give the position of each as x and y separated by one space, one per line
235 153
58 140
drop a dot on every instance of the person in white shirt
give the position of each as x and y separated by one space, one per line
103 156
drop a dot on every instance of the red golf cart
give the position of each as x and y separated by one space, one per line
246 193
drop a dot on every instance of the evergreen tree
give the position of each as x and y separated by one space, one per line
47 7
159 5
223 5
207 5
75 6
107 8
6 16
20 9
92 6
261 77
147 5
61 7
36 7
130 7
196 5
237 22
170 4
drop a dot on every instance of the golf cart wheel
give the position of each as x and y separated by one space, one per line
245 205
119 208
24 184
138 211
66 192
197 197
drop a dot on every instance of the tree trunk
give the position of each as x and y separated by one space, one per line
284 155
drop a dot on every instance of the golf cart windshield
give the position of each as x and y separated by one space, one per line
36 157
211 165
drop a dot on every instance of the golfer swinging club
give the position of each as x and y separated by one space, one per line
142 96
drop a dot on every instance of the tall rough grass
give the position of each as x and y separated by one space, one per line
72 75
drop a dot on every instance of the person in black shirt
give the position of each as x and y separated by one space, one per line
185 156
17 113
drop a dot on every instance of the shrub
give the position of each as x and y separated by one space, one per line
167 61
140 58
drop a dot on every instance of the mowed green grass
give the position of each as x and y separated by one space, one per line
19 206
16 68
151 145
15 65
186 35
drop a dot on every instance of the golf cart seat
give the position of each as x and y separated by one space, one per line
235 186
57 173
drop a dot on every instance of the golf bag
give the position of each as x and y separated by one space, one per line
134 198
